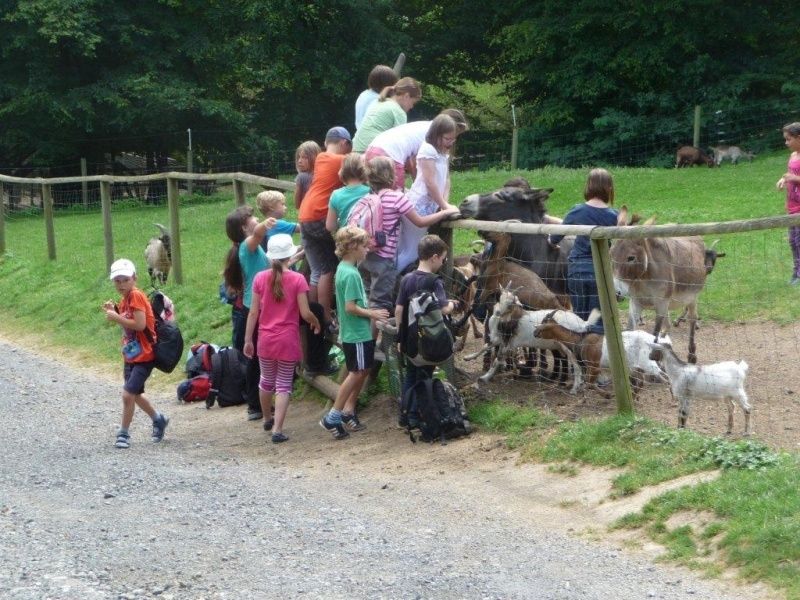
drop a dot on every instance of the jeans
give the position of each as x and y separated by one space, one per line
239 322
584 298
413 374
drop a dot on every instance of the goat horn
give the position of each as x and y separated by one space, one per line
162 228
478 246
714 243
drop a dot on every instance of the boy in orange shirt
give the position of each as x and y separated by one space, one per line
317 240
135 315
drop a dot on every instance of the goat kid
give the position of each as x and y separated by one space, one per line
158 255
723 381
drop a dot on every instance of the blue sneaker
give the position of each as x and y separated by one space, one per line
123 440
159 425
337 429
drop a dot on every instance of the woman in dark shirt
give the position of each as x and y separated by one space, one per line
599 196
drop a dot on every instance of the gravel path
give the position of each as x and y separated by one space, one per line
216 512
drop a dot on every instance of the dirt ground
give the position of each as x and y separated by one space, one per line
773 384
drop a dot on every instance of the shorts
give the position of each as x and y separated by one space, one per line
320 249
135 374
359 356
382 281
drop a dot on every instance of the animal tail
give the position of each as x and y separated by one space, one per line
594 317
744 366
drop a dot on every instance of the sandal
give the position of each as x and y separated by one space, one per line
277 438
268 424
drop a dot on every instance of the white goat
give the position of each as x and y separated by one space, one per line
158 255
723 380
512 327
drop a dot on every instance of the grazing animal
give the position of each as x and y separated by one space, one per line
158 255
511 327
687 156
732 153
465 277
723 381
660 273
526 204
587 347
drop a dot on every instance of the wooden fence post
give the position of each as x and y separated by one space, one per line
47 204
84 184
105 207
238 192
2 220
174 228
696 132
611 323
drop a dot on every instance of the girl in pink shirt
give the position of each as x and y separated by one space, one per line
791 183
280 298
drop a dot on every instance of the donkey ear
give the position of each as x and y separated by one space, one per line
650 221
622 217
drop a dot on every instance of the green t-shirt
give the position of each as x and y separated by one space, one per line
352 329
380 117
343 199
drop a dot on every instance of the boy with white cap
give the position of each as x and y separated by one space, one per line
135 316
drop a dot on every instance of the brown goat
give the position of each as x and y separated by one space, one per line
499 272
687 156
465 287
587 348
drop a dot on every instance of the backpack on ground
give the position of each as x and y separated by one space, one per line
367 213
228 378
168 346
436 409
428 340
199 361
195 389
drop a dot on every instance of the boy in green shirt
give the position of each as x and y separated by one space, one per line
355 330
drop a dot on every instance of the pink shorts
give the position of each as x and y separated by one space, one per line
399 168
276 375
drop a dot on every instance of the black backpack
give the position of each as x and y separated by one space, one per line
228 378
428 340
169 340
435 408
199 361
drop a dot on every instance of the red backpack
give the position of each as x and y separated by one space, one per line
195 389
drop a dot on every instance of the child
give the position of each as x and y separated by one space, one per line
355 331
791 183
272 204
280 298
432 253
317 241
381 263
402 143
135 316
353 176
388 111
304 158
430 191
245 258
380 77
599 196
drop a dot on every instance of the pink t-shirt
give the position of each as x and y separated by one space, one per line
793 189
395 204
279 322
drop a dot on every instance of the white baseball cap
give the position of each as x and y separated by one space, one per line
122 268
280 246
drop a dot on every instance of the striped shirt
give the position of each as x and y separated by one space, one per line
395 204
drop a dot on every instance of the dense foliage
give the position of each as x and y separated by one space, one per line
592 79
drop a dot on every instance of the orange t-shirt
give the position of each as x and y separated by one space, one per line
137 300
326 180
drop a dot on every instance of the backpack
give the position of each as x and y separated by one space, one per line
228 378
428 340
200 360
435 408
168 345
195 389
367 213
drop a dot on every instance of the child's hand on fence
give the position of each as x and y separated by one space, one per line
379 314
248 349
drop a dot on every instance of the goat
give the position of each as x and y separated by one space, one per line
637 354
587 347
158 255
686 156
732 153
723 380
511 327
465 276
